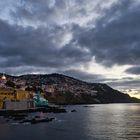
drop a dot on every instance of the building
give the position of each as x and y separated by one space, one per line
50 88
11 98
15 99
18 104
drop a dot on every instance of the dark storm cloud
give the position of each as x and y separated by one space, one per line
134 83
134 70
55 36
43 47
116 37
35 47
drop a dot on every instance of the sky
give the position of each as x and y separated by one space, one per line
92 40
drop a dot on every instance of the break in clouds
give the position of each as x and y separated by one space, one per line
63 36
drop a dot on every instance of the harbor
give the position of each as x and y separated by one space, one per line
18 105
19 99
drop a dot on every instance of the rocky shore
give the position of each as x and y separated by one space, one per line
40 109
24 116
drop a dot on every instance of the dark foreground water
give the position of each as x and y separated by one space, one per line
97 122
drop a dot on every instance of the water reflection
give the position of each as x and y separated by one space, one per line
119 121
99 122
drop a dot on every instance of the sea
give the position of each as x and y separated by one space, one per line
86 122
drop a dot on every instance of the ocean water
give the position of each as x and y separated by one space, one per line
95 122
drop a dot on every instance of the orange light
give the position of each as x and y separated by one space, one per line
3 77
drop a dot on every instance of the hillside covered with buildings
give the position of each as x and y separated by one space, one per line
61 89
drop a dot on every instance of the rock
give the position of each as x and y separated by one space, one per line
19 116
54 110
35 121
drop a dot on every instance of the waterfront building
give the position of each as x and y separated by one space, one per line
12 98
15 99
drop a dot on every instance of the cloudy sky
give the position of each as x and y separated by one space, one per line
93 40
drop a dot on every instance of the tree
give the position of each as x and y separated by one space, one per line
29 88
10 84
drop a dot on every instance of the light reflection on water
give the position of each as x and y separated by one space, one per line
101 122
115 121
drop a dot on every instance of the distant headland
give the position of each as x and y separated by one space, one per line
62 89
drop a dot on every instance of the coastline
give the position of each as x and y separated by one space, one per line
31 110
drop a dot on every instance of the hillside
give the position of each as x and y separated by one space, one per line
61 89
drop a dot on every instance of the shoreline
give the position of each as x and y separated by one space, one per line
31 110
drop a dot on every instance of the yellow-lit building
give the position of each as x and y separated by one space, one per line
15 99
22 94
12 94
6 93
